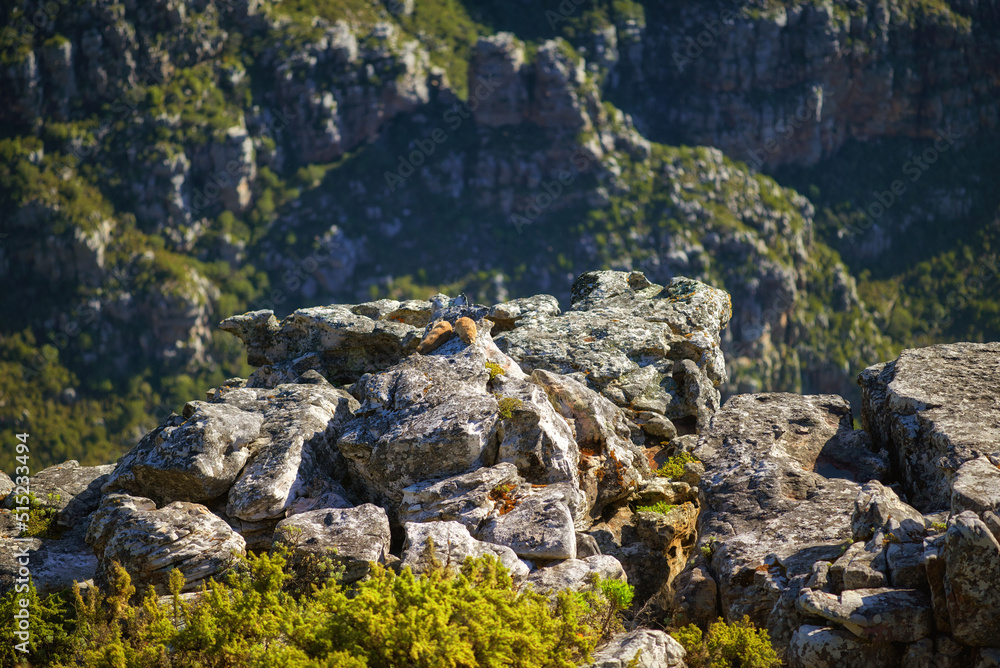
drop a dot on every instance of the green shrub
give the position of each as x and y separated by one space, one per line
658 507
736 645
494 369
258 617
508 405
673 468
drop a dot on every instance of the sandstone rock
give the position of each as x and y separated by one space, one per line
53 564
824 647
907 569
452 544
148 542
972 571
976 487
517 312
768 517
540 526
574 574
933 410
877 508
697 594
352 536
468 498
620 317
194 457
880 615
655 649
6 484
73 490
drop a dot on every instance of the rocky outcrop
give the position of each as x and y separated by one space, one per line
642 648
934 410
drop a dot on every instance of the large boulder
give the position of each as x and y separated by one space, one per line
449 544
934 409
355 537
72 490
972 581
768 515
642 648
643 346
149 542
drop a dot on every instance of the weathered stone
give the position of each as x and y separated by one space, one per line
611 466
540 526
468 498
933 409
989 657
575 574
54 564
452 544
73 490
620 317
195 457
877 506
936 569
296 446
906 566
430 416
880 615
350 344
6 485
697 594
150 542
976 486
825 647
655 649
860 568
768 516
352 536
517 312
586 546
972 562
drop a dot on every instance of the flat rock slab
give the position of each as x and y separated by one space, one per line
468 498
54 564
540 526
768 516
825 647
656 649
879 615
934 409
73 490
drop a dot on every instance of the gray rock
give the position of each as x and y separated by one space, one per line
878 508
295 447
933 409
907 569
655 649
352 536
697 594
149 542
195 457
768 516
350 343
620 317
54 564
878 615
989 657
540 526
936 569
575 574
976 487
972 571
468 498
452 545
428 417
518 312
6 484
824 647
586 546
71 489
862 566
611 466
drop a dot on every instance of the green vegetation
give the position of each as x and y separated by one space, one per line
41 518
659 507
736 645
673 468
494 369
441 619
508 405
